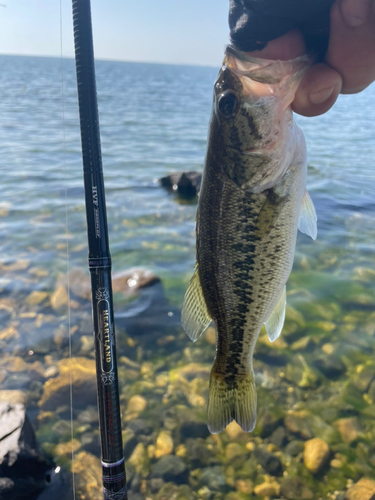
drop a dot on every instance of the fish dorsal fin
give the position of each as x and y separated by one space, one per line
307 217
194 316
275 322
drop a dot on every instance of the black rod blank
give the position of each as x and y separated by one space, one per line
114 479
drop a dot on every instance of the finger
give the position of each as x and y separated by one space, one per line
317 91
355 12
288 46
351 50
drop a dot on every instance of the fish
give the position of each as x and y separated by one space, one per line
252 200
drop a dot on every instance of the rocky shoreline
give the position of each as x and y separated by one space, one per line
315 433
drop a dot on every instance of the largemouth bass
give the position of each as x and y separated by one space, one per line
252 201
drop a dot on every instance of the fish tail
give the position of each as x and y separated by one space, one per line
231 399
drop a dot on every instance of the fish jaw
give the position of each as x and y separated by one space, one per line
257 142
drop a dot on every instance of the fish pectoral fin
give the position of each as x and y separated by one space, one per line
275 322
231 400
270 212
194 316
307 217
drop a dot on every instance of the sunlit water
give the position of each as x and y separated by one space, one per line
153 121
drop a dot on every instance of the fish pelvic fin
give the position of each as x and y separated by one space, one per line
195 317
307 217
275 322
231 399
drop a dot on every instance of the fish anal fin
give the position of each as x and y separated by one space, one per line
194 316
231 400
307 217
275 322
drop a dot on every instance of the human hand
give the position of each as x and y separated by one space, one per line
349 65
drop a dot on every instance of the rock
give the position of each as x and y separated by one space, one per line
170 468
315 454
87 472
20 460
245 486
164 444
234 430
88 415
140 427
301 374
294 448
140 460
156 484
363 378
234 450
184 183
302 344
82 373
59 298
363 490
213 477
271 463
129 441
35 298
267 489
295 489
130 281
197 452
330 366
296 423
193 429
67 448
267 422
279 437
136 404
349 428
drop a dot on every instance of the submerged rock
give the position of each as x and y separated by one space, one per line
315 455
170 468
271 463
363 490
349 428
295 489
187 184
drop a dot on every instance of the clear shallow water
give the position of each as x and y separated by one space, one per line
153 121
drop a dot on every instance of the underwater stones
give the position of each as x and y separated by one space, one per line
213 477
164 444
296 423
170 468
36 297
59 298
197 452
82 373
271 463
294 488
139 460
294 448
140 427
245 486
315 455
363 490
301 374
130 281
349 428
87 472
279 437
136 405
184 183
267 489
67 448
234 430
129 442
330 366
194 429
267 422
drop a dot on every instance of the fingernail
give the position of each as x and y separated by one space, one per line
355 12
321 96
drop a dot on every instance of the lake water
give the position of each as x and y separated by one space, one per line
316 382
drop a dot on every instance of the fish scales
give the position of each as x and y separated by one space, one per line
251 200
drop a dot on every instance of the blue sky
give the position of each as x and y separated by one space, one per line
171 31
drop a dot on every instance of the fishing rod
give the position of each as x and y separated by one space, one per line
113 465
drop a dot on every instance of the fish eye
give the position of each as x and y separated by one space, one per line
228 103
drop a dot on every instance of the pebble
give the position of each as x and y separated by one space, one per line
164 444
136 404
67 448
59 298
267 489
271 463
233 450
87 472
295 489
139 459
35 298
315 454
245 486
363 490
234 430
296 423
349 429
211 336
